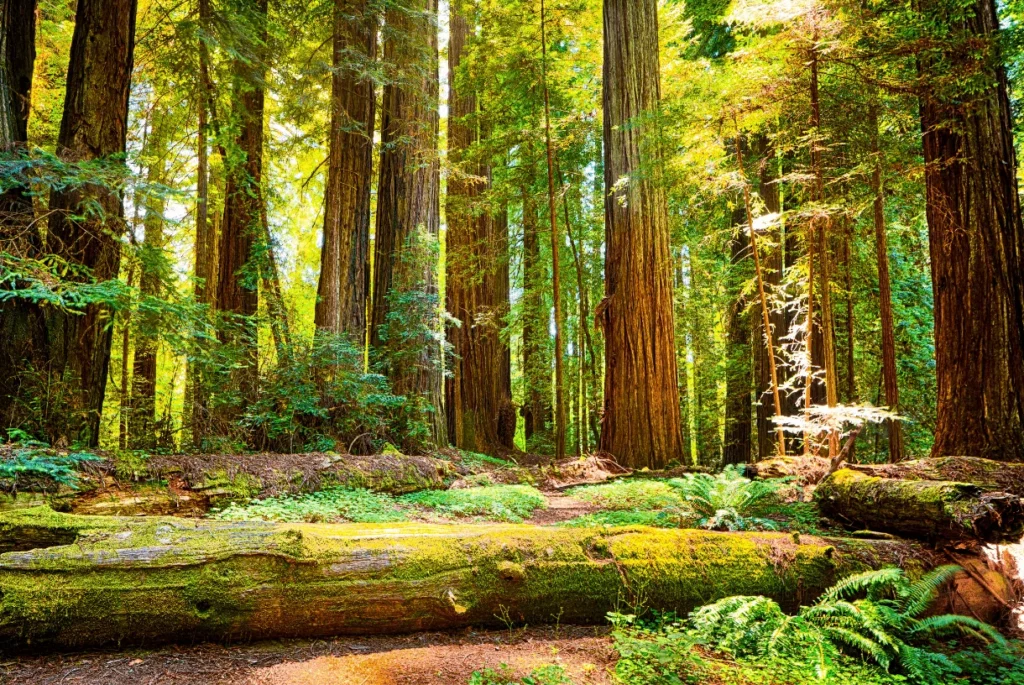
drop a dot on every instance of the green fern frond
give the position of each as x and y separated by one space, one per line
920 595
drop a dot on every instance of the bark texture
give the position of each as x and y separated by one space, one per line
924 509
641 425
241 228
537 410
977 246
22 329
479 392
408 197
93 127
345 256
987 474
126 580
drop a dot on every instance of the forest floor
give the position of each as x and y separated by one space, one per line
585 653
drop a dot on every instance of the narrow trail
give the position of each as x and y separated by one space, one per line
560 508
585 653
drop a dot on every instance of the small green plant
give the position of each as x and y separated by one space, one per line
629 495
878 616
332 504
551 674
616 519
32 468
728 501
498 502
473 459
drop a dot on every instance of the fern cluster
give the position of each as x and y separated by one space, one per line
727 500
40 469
877 615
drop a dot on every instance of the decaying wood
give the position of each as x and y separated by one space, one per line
923 509
148 580
985 473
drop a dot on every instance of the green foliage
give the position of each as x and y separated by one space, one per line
499 502
41 469
551 674
333 504
877 616
727 500
318 397
474 459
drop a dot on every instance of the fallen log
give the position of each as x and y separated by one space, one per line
146 580
923 509
985 473
806 470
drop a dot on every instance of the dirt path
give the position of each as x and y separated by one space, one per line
560 508
585 653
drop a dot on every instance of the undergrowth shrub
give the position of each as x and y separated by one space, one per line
499 502
551 674
728 500
332 504
40 469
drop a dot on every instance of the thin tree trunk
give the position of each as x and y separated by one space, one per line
408 192
738 369
94 126
479 391
641 424
142 410
892 391
556 284
536 314
344 259
977 245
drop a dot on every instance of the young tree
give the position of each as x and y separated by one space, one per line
641 411
344 257
976 236
93 127
479 391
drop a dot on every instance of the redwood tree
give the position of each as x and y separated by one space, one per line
478 394
641 425
93 127
977 241
344 258
241 228
408 197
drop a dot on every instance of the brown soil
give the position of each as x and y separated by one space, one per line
560 508
585 653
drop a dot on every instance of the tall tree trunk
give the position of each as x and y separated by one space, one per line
205 249
408 197
479 391
892 390
768 342
22 331
536 409
977 246
94 126
556 270
641 399
237 289
738 370
344 258
142 412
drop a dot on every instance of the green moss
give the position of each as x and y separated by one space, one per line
331 504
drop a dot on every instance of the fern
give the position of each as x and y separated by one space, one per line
873 614
728 501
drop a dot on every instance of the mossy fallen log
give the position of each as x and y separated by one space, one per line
146 580
923 509
989 475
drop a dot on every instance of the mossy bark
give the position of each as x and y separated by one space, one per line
985 473
925 509
115 580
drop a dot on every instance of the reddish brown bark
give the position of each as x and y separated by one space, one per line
94 126
408 191
977 246
237 290
479 392
344 258
641 425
